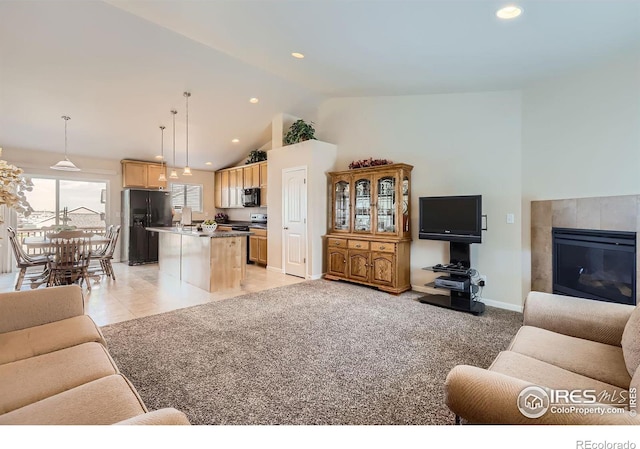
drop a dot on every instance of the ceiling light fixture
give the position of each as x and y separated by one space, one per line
297 55
163 176
208 163
509 12
235 140
187 169
66 164
253 100
174 173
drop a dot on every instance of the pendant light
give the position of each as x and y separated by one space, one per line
162 177
65 164
174 173
187 169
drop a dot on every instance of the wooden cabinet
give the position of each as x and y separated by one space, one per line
142 174
370 239
258 246
230 183
263 184
251 175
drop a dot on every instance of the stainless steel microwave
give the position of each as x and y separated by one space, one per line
251 197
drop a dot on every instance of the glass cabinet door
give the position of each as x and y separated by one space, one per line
405 204
386 204
362 205
342 206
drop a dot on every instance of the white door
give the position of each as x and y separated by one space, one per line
294 220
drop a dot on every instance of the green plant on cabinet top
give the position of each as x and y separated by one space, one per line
299 131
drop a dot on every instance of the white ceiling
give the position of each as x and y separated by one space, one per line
118 68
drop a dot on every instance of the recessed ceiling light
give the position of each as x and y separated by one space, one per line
159 157
297 55
253 100
208 163
509 12
235 140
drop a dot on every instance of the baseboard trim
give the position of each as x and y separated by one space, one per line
314 277
488 302
276 269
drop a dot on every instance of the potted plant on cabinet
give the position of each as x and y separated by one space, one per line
299 131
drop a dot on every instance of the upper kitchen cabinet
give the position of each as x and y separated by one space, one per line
142 174
230 183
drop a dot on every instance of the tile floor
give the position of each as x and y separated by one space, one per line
140 291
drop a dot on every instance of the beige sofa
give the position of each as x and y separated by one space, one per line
55 368
565 344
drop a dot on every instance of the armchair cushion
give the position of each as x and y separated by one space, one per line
30 380
23 309
588 358
631 342
541 373
577 317
24 343
107 400
162 417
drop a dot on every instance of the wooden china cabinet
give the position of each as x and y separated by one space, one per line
370 237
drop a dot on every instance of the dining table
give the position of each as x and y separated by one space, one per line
40 242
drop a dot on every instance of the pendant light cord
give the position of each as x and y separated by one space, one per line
66 118
187 95
174 112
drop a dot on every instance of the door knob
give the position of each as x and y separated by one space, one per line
285 228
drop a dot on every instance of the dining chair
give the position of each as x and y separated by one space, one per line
105 255
25 261
70 255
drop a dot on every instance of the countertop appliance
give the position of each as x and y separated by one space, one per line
257 221
251 197
142 209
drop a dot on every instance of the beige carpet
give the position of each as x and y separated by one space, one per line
318 352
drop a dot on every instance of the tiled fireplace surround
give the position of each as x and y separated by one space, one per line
611 213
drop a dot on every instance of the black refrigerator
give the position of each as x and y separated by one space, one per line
142 209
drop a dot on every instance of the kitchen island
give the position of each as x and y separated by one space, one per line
212 261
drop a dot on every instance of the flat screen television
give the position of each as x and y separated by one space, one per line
451 218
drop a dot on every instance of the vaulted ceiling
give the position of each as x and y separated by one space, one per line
117 68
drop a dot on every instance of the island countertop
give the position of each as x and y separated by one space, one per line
194 233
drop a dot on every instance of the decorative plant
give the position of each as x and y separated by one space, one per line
369 163
221 217
256 156
299 131
13 187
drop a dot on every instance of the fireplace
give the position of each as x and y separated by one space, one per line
595 264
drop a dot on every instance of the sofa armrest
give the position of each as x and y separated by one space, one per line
162 417
23 309
486 397
592 320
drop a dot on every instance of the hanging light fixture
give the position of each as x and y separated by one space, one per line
187 169
65 164
174 173
163 176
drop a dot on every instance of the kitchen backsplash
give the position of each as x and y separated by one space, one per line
243 214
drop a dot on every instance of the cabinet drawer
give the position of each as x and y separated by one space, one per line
358 244
383 247
338 243
258 232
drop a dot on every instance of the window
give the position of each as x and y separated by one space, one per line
186 195
65 202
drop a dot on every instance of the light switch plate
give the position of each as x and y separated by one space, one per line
511 219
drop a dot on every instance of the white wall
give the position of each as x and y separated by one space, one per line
319 158
580 138
458 144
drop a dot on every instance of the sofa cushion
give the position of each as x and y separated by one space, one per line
30 380
588 358
547 375
33 341
631 342
107 400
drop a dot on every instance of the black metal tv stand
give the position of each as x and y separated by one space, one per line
459 269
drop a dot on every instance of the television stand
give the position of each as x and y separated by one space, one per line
457 282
